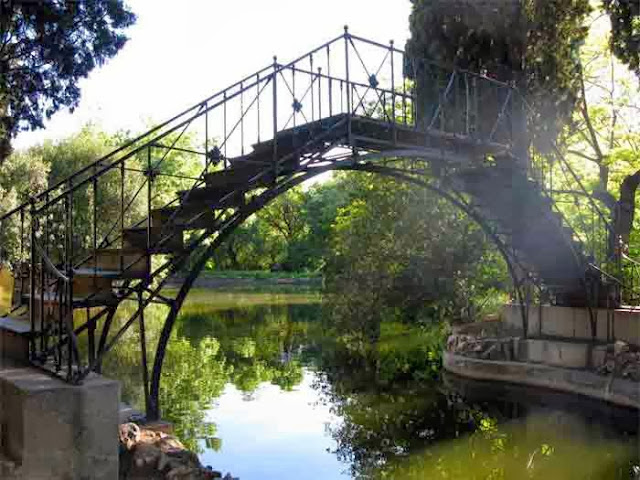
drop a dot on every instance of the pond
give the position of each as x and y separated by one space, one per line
257 386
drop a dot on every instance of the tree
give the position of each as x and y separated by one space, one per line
603 133
532 43
625 25
400 252
31 171
45 49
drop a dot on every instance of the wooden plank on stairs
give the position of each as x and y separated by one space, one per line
115 263
172 239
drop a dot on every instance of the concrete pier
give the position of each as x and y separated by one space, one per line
574 323
52 430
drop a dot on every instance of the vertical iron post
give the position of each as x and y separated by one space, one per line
47 251
404 91
122 170
42 290
258 101
68 311
91 333
149 179
319 93
242 118
275 119
295 100
143 352
313 103
393 93
206 136
224 121
95 225
330 81
32 279
22 239
348 89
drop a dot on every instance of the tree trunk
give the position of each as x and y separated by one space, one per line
625 208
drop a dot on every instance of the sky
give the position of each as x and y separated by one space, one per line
181 52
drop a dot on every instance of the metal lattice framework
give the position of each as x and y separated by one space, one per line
346 105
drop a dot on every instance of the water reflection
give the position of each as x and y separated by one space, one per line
275 434
265 390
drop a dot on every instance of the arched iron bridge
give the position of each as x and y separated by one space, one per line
349 104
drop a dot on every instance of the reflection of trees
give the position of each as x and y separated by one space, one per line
536 448
192 378
208 349
399 421
389 398
260 343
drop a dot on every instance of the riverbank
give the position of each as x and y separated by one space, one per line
608 372
251 280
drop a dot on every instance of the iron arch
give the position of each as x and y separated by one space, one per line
153 406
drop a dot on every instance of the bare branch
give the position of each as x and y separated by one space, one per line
583 155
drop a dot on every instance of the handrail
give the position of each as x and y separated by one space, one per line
608 275
631 260
130 143
50 264
562 158
270 68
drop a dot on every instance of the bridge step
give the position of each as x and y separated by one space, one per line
183 217
239 177
516 205
115 264
212 198
98 299
15 334
169 242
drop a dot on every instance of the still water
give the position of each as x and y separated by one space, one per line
258 387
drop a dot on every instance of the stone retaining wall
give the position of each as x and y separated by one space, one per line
620 324
618 391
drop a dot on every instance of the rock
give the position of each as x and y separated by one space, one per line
507 350
620 347
598 356
492 353
129 434
152 454
609 366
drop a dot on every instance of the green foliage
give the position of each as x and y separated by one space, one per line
215 343
188 392
625 25
29 172
400 252
291 234
70 39
533 43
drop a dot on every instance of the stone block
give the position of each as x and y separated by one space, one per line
569 322
598 355
549 352
54 430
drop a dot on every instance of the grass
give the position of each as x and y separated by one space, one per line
212 300
257 274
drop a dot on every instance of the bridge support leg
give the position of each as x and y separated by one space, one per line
54 430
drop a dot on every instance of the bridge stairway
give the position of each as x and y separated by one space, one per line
99 278
545 245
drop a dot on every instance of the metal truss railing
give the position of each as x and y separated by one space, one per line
48 238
